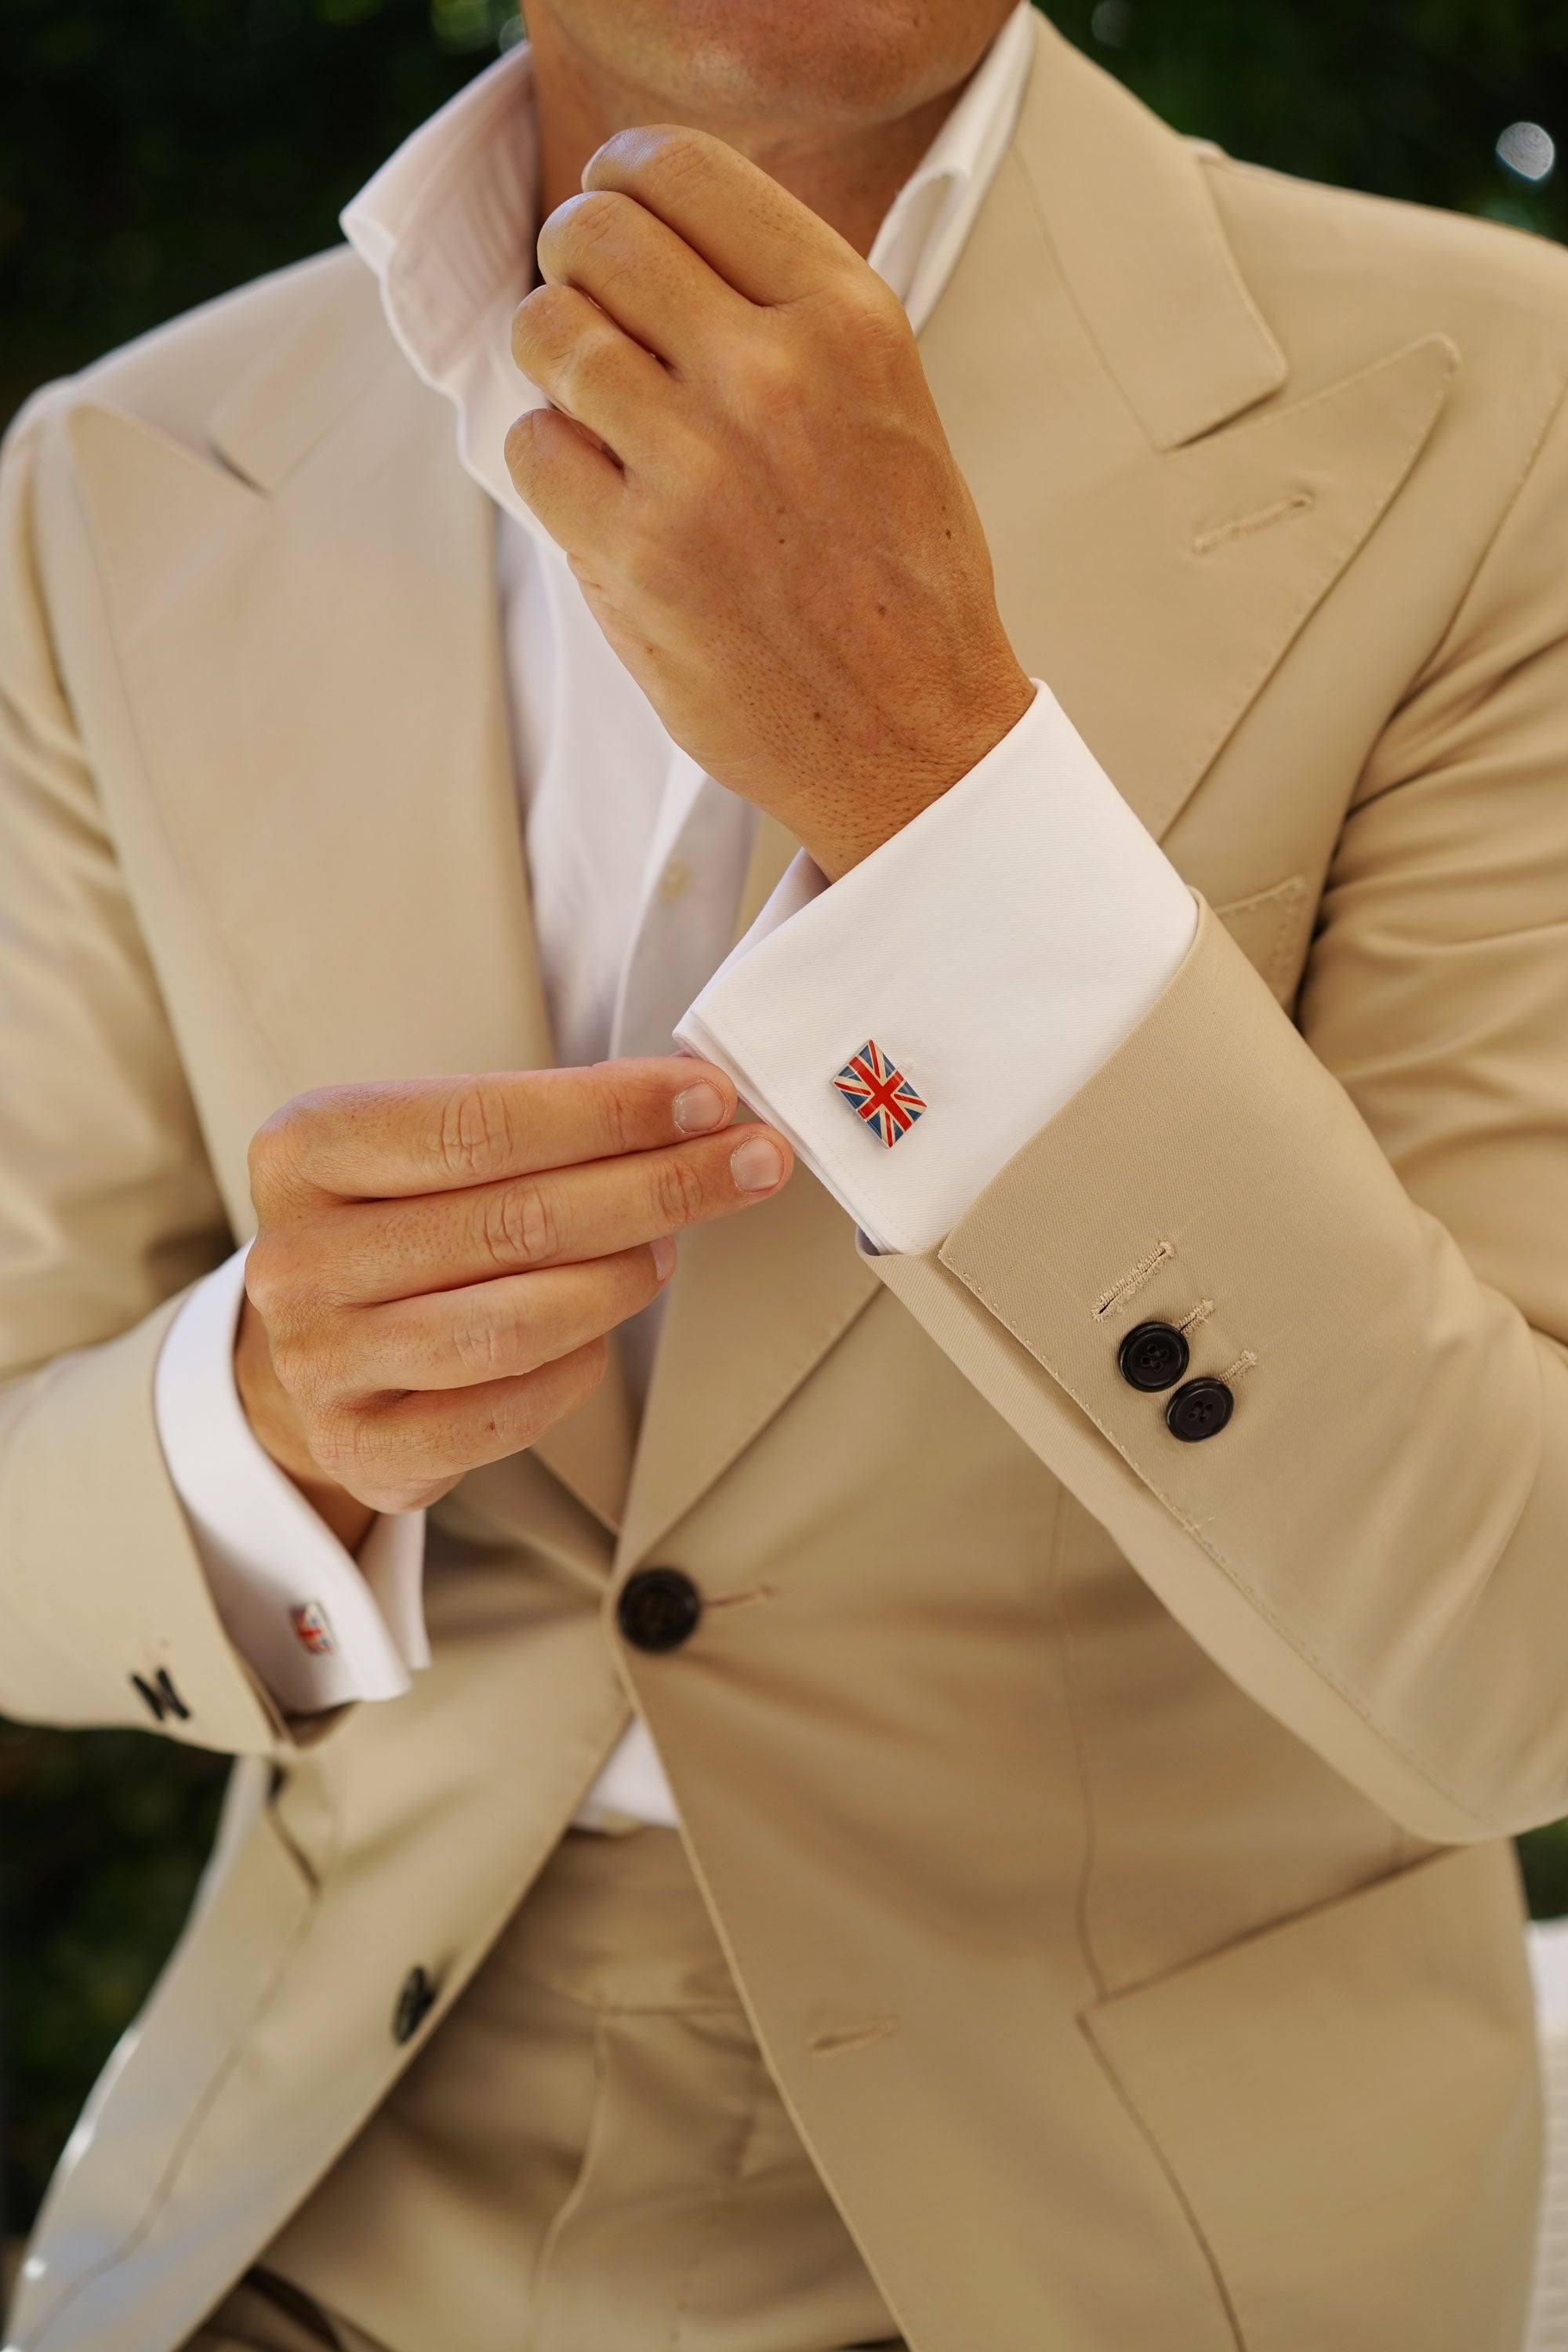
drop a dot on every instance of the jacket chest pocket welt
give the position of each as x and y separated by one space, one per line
1348 2107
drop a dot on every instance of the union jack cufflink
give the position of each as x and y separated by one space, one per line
877 1090
312 1629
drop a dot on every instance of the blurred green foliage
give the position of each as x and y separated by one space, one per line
1543 1857
1407 98
102 1835
154 152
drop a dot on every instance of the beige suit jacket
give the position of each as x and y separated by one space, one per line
1105 1832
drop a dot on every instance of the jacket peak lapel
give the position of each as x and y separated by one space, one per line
1153 568
1183 585
272 416
315 683
1127 205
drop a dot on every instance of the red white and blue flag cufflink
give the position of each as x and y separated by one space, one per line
878 1091
312 1629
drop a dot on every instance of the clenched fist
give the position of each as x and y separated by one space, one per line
436 1262
746 470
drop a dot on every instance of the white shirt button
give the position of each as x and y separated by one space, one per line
676 879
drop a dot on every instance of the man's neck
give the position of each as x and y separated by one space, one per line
848 176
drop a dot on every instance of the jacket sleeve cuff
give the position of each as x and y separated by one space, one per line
993 954
317 1627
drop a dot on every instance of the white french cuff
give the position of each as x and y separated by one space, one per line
318 1626
994 954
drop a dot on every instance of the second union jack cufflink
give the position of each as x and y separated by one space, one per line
312 1629
877 1091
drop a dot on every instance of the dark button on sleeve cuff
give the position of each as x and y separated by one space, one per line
1199 1410
1153 1357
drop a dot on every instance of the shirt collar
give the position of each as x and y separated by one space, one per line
447 224
930 217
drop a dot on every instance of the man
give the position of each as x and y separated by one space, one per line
961 1790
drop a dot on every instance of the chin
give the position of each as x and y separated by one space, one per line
786 59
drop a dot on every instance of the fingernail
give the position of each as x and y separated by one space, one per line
663 1257
756 1165
698 1109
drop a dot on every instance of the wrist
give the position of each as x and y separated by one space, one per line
865 816
274 1425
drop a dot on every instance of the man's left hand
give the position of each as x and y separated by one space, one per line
746 470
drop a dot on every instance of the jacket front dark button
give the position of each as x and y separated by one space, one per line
1198 1410
414 2005
658 1609
1153 1357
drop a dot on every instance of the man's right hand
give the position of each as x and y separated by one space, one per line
436 1261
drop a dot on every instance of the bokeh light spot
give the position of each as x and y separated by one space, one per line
1528 151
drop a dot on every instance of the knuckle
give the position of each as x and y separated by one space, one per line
536 322
638 1283
274 1154
768 376
292 1365
520 1226
589 1365
863 302
653 156
864 330
311 1361
518 448
677 1191
349 1444
330 1435
588 362
559 335
273 1274
284 1146
482 1342
677 156
473 1132
588 220
656 557
547 1396
618 1109
533 1413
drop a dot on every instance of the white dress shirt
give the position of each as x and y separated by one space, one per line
1056 919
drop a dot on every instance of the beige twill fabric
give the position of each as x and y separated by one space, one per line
589 2154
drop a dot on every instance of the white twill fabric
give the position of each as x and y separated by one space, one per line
276 1555
980 950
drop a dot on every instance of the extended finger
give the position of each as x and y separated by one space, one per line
401 1452
641 272
591 368
380 1250
496 1330
762 240
417 1136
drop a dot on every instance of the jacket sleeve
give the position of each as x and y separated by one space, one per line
1362 1226
107 1210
